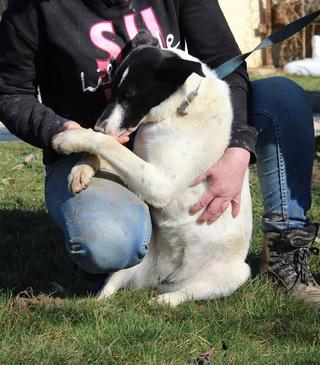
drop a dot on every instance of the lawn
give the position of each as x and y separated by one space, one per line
309 83
256 325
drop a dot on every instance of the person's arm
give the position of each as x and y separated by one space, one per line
20 110
210 39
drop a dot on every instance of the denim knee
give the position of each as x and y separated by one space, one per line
110 247
277 96
106 227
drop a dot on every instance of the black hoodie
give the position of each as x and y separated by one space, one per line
64 48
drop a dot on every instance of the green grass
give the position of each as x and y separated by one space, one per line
309 83
256 325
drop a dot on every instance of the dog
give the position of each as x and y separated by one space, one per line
184 115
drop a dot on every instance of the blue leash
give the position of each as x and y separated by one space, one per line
284 33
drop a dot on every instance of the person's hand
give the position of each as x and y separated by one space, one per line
71 125
74 125
122 139
224 185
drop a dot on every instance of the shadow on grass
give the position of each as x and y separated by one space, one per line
253 260
32 252
33 255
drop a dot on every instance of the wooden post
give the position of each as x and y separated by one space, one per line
268 22
303 35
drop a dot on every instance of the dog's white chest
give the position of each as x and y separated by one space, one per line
153 141
171 147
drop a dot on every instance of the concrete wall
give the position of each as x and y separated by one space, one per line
243 17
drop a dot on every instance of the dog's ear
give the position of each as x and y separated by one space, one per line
144 38
176 69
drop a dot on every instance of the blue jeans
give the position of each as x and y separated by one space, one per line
108 228
282 114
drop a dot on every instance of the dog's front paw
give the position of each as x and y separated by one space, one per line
105 293
166 299
73 140
80 177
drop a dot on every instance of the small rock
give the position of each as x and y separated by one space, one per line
29 159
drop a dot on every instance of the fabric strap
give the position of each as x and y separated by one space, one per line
282 34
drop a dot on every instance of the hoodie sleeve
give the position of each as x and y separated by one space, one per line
210 39
20 110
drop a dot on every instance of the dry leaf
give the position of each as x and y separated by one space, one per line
26 300
8 181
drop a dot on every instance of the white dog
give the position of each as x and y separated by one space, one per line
185 114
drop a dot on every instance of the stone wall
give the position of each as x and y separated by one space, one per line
310 5
299 46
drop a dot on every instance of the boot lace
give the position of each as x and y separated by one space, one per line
291 266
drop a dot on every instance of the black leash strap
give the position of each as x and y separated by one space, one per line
282 34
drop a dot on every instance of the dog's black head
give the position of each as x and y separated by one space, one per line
146 77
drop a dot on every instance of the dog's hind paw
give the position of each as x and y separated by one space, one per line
80 177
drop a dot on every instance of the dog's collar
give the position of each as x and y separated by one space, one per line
187 101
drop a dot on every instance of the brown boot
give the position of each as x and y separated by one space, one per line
285 260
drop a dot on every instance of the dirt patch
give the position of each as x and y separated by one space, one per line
26 300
